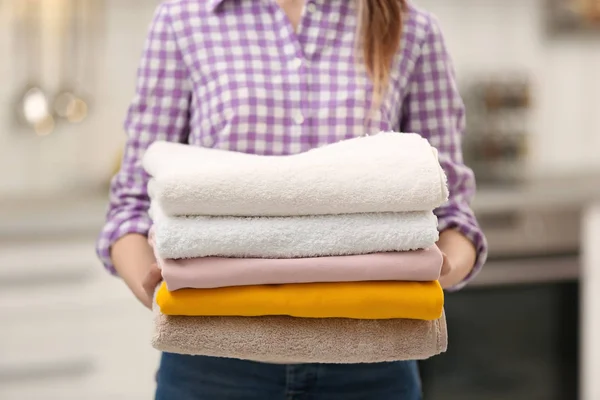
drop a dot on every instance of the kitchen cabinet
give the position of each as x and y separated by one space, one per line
559 192
590 299
70 331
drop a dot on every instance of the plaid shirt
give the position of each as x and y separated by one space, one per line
234 75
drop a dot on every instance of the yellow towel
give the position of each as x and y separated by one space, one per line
359 300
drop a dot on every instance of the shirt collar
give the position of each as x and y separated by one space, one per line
212 5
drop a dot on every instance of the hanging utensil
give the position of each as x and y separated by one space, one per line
94 42
63 100
79 109
32 104
68 104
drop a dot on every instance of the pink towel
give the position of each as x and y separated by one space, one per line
212 272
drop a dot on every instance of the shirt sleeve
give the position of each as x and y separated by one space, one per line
434 109
159 111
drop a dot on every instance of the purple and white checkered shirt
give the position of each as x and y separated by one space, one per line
234 75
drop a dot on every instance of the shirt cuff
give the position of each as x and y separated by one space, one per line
471 230
117 227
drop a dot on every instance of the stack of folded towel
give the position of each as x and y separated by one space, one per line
326 256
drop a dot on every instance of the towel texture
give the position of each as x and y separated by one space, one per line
214 272
360 300
387 172
291 237
289 340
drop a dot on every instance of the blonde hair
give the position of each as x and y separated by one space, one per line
380 24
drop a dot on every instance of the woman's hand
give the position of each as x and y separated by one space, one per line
135 263
459 257
149 284
446 279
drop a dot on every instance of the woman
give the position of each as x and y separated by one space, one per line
279 77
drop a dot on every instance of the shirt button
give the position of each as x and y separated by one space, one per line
296 63
311 7
298 118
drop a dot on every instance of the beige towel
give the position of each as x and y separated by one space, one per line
289 340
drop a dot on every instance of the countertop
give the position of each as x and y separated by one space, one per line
84 213
77 214
540 192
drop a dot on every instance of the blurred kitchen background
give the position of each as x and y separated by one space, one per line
529 72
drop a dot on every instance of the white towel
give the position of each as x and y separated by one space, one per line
291 237
387 172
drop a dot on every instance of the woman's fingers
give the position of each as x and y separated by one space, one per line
446 267
151 280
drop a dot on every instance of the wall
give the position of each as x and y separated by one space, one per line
483 35
493 35
80 155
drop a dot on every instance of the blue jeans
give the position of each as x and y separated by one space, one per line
183 377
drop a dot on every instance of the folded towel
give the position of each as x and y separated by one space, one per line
360 300
291 237
289 340
214 272
387 172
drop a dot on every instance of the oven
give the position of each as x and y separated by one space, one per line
513 332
